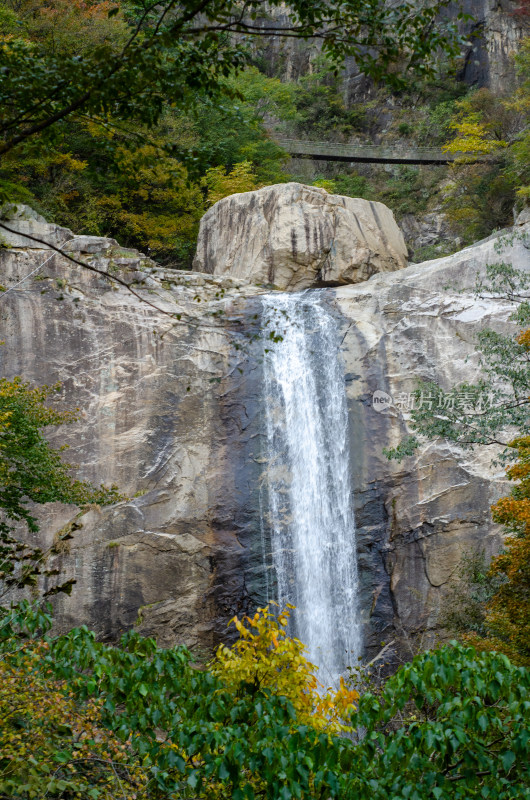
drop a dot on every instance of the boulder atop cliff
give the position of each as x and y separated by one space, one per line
293 236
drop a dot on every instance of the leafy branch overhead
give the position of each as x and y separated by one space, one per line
169 53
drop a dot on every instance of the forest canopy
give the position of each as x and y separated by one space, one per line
113 114
143 56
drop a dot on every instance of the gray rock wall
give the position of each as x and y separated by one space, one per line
494 33
171 412
155 418
417 519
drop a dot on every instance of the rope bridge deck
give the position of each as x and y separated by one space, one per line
370 154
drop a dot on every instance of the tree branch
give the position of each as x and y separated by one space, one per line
103 273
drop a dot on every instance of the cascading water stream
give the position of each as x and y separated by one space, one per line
309 514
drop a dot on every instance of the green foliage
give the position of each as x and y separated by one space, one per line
219 184
194 738
348 184
68 27
147 198
53 746
227 134
131 160
351 184
481 124
319 106
408 189
479 200
407 447
435 129
8 20
519 152
431 251
101 182
404 129
482 195
452 724
32 471
102 178
99 177
181 50
50 745
267 97
325 183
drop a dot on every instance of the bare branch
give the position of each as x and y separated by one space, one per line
94 269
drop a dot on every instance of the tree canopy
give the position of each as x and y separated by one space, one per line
171 52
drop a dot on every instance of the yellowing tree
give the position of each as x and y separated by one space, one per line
221 184
265 656
482 195
508 615
52 745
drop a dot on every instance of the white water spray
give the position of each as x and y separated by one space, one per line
310 515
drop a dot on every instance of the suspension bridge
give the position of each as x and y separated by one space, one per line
371 154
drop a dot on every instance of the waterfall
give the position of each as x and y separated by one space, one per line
309 512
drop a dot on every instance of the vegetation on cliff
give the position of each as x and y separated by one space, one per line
482 196
32 471
112 128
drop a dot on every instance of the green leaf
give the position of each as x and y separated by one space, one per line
507 758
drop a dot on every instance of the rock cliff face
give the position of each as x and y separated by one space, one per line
494 30
292 236
417 520
503 29
171 412
158 417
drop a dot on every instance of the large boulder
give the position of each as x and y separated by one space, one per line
293 236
